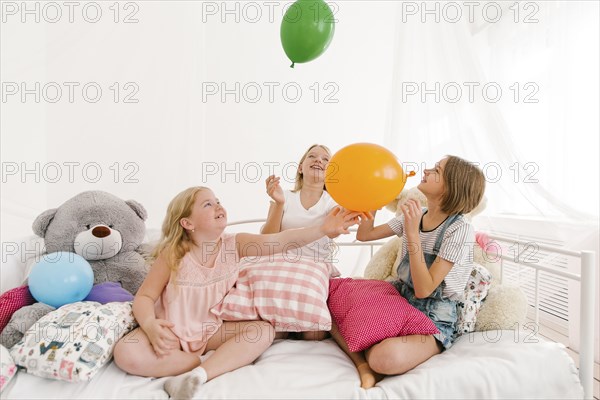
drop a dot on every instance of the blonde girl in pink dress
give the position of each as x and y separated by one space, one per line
196 265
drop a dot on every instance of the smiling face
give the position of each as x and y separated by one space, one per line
313 164
208 216
432 183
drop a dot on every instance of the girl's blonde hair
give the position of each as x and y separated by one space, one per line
464 185
299 176
175 241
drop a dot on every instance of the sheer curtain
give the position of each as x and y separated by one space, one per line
517 93
520 99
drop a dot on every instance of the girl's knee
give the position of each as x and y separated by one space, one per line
386 362
124 359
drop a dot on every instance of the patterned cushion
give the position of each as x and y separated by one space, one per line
12 301
475 292
292 295
368 311
73 342
8 369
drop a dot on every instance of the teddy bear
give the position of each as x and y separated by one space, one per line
105 230
504 305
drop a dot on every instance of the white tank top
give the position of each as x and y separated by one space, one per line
296 216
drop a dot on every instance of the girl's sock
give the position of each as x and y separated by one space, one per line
184 386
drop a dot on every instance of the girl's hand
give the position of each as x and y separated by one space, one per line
367 215
274 190
161 337
338 221
412 217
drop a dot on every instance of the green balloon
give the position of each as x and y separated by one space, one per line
306 30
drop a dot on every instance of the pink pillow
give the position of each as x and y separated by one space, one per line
367 311
292 295
13 300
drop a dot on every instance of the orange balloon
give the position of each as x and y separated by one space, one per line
364 177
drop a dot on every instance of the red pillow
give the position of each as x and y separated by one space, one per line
13 300
367 311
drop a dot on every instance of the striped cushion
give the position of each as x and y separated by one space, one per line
368 311
289 293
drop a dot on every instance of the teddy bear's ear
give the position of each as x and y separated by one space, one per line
41 223
138 208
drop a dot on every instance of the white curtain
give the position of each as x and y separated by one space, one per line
516 93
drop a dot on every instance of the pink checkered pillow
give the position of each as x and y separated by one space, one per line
11 301
367 311
289 293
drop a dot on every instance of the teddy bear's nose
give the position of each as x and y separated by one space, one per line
101 231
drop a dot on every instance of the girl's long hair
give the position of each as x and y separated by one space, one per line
175 241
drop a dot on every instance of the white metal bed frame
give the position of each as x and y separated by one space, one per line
587 282
586 279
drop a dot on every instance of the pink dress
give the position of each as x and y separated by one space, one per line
186 300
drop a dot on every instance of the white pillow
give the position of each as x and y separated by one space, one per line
75 341
8 369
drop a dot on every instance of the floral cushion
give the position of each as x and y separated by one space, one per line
8 369
475 292
73 342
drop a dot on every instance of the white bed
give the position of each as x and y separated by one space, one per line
491 364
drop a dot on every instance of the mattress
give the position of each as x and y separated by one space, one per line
493 364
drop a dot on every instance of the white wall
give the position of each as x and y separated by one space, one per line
357 67
171 138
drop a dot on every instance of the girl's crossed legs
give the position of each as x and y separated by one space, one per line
391 356
236 344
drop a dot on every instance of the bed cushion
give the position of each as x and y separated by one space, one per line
108 292
291 294
369 311
8 369
12 301
476 290
73 342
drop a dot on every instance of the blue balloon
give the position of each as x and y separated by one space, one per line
61 278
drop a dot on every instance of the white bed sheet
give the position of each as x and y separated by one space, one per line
496 364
